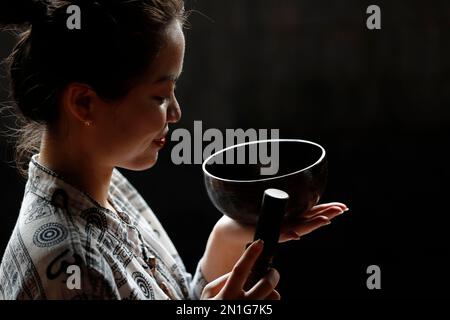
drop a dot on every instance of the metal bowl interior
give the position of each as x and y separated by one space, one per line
236 177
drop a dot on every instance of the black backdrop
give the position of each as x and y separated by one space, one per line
376 100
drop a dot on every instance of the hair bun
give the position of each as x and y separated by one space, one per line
17 12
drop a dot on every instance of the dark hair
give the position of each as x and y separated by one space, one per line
117 42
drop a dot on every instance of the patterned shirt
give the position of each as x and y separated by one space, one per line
67 246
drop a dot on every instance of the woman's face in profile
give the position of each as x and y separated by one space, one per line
128 132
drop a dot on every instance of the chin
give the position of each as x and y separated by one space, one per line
142 162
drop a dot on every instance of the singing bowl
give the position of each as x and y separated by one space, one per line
236 190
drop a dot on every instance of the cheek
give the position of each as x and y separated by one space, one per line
147 123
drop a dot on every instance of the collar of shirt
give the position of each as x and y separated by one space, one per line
46 183
43 182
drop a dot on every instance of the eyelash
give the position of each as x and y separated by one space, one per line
161 100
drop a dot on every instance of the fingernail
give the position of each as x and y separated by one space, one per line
346 209
327 223
259 243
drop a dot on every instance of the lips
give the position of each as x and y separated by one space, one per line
161 141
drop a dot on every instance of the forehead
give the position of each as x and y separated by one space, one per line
169 59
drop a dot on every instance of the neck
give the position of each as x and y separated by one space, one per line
79 168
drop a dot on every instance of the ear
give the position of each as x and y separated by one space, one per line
78 101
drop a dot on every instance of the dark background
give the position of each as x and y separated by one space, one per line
376 100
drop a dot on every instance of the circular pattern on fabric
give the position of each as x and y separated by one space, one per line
96 224
144 285
96 218
49 235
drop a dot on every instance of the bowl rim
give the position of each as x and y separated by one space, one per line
205 172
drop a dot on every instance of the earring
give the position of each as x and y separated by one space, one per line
87 123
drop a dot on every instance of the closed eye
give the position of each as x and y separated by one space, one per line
160 100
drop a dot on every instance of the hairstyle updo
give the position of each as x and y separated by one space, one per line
112 50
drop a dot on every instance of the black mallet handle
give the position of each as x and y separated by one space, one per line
273 208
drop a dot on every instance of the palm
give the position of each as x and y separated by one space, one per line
315 218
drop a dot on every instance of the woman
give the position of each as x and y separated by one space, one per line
98 98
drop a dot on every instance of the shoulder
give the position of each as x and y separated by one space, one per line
49 257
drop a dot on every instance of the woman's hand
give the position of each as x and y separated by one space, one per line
230 286
228 239
319 215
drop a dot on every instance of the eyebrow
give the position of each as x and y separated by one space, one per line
169 77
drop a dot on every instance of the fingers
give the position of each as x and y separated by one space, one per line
329 212
264 287
243 267
274 295
230 285
214 287
319 209
324 205
311 225
315 218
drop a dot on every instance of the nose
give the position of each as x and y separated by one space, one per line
173 111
